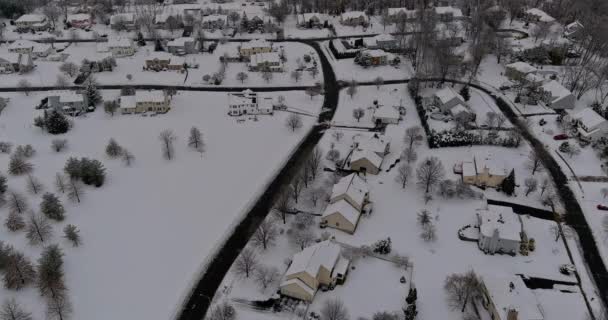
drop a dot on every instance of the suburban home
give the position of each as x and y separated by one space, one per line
80 20
538 16
318 265
68 102
378 143
500 230
506 297
447 98
163 61
383 41
270 61
145 101
183 45
352 189
248 102
401 14
312 20
483 173
354 18
375 57
447 14
590 125
386 115
255 46
349 199
35 22
341 215
30 47
463 110
519 70
366 161
15 62
573 30
122 21
121 47
214 21
557 96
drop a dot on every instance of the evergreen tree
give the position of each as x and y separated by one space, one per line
72 168
465 93
3 186
113 149
244 22
14 221
39 122
508 185
411 296
51 207
56 123
91 92
92 172
50 272
72 233
18 166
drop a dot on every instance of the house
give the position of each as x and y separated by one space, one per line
270 61
447 98
30 47
15 62
352 189
341 215
312 20
255 46
248 102
163 61
447 14
318 265
483 173
121 47
460 109
122 21
558 97
145 101
35 22
386 115
500 230
506 297
383 41
68 102
354 18
375 57
80 20
590 125
183 45
538 16
401 14
378 143
519 70
366 161
214 21
573 30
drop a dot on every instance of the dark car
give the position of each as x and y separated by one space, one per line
562 136
602 207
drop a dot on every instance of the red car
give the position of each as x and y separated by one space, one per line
602 207
562 136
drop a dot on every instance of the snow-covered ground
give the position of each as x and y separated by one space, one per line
147 232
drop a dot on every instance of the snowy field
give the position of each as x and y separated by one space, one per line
150 228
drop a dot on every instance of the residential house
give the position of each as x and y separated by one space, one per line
383 41
163 61
30 47
590 125
378 143
500 230
255 46
506 297
312 20
401 14
122 21
80 20
462 110
536 15
15 62
447 98
375 57
349 199
35 22
354 18
557 96
214 21
318 265
366 161
167 18
145 101
341 215
183 45
573 30
269 61
352 189
447 14
248 102
121 47
386 115
68 102
519 70
483 173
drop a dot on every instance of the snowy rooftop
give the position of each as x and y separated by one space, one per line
180 42
509 292
266 57
79 17
370 155
119 42
353 186
19 44
311 15
67 96
589 118
160 55
543 16
376 143
127 102
375 53
405 11
214 17
501 219
557 91
384 37
309 260
350 213
447 94
458 109
353 15
454 11
149 96
300 283
11 57
239 98
256 43
522 67
387 112
126 17
31 18
468 169
573 25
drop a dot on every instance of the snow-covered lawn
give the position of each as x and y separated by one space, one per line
150 228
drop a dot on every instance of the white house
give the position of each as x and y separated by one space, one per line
268 61
341 215
318 265
500 230
312 19
37 22
122 21
386 115
366 161
15 62
68 102
401 14
590 125
506 297
353 189
121 47
248 102
447 98
383 41
558 96
214 21
538 16
183 45
145 101
519 70
30 47
354 18
255 46
80 20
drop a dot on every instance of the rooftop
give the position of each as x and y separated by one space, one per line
500 219
371 156
79 17
353 186
270 57
149 96
542 16
509 292
353 15
522 67
350 213
556 89
31 18
454 11
310 260
386 112
256 43
589 118
447 94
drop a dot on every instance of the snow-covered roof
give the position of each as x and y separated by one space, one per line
353 15
446 94
149 96
443 10
376 53
19 44
556 90
311 15
160 55
350 213
119 42
458 109
180 42
11 57
79 17
31 18
341 266
386 112
256 43
370 155
126 17
534 78
310 260
266 57
589 118
377 142
214 17
127 102
384 37
499 219
542 16
509 292
405 11
244 97
468 169
522 67
66 96
353 186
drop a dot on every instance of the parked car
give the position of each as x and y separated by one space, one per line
562 136
602 207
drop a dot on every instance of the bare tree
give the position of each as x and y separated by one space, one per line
316 194
69 68
75 190
314 162
19 166
424 218
403 174
461 287
337 135
378 81
72 233
19 271
34 185
38 229
113 149
267 76
17 202
358 113
266 234
604 192
296 75
59 145
246 263
294 122
429 173
534 162
266 276
302 238
352 88
409 155
195 141
11 310
282 205
223 311
334 309
429 233
413 137
242 76
531 185
333 155
540 31
167 137
59 308
127 157
14 222
60 184
24 86
61 81
297 186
